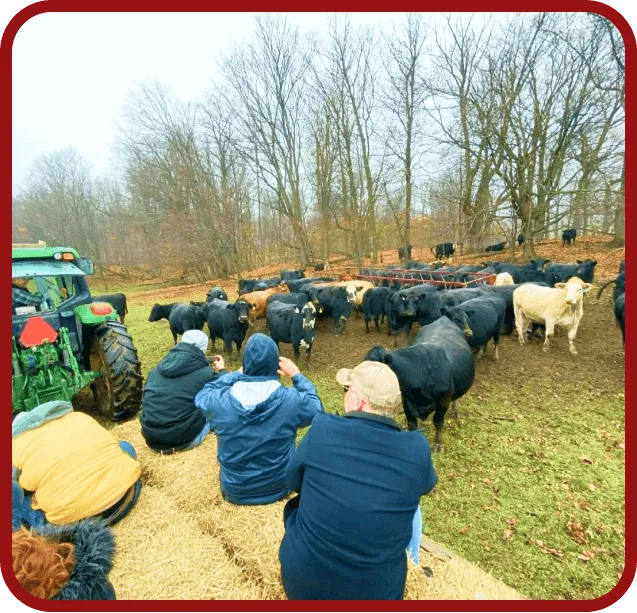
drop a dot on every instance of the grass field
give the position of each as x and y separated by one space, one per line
531 480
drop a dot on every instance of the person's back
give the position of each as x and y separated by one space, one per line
74 466
360 480
255 419
169 418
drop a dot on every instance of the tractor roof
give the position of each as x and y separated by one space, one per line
40 252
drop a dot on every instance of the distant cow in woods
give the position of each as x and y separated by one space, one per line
117 301
444 250
520 239
181 317
404 253
568 236
497 247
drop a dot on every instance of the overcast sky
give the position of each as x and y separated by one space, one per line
71 72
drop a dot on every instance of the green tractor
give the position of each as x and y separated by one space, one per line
63 341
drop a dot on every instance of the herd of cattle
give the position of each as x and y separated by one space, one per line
459 310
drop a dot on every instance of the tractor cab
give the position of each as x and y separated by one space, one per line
60 336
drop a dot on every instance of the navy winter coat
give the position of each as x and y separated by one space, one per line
360 481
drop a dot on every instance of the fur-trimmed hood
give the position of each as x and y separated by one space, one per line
94 546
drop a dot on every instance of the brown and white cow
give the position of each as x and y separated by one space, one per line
258 301
562 305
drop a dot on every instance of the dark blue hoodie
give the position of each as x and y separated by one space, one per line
256 419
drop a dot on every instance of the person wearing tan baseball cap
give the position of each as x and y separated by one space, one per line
360 479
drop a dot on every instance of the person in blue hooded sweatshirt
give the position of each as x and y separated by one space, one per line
255 419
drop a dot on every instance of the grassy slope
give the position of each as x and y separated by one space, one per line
560 461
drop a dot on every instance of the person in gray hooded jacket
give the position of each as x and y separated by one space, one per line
170 421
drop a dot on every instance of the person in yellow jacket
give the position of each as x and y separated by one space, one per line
71 468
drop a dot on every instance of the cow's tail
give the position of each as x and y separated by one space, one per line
125 306
603 287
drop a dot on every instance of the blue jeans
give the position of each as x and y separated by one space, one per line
200 437
413 549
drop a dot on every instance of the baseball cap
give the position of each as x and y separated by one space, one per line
197 338
375 382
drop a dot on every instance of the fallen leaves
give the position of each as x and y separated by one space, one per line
577 531
507 534
558 553
586 460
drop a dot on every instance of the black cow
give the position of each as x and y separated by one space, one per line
250 285
335 305
430 306
404 253
620 285
227 321
117 301
307 294
622 267
444 250
181 317
506 293
433 372
584 269
374 306
295 285
402 309
568 236
320 266
481 320
288 275
520 239
216 292
496 247
293 323
620 314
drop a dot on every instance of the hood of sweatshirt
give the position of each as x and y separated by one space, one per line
182 359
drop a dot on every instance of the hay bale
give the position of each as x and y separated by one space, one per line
253 535
160 553
190 478
454 579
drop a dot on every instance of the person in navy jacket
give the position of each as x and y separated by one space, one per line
256 419
360 479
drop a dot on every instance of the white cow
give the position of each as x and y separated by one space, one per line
503 278
562 305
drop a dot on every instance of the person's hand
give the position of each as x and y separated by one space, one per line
218 363
287 367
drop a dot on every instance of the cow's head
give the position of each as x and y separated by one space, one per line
156 313
350 289
575 290
404 304
243 308
308 310
460 317
312 293
379 354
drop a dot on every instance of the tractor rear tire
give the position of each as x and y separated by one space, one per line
118 392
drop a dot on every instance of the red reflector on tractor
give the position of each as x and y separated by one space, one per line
67 256
101 308
36 332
